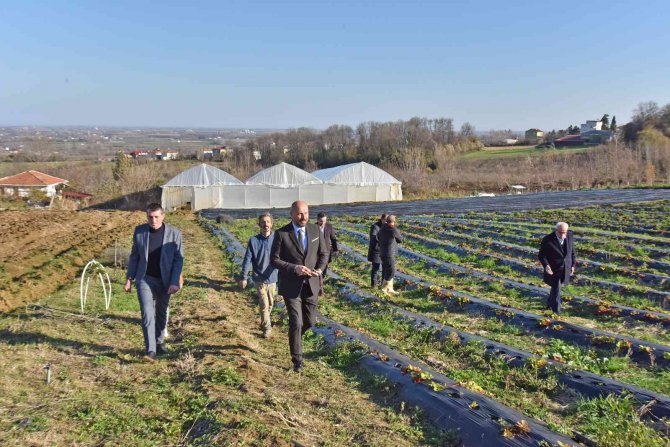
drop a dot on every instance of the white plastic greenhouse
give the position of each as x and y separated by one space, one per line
201 187
278 186
358 182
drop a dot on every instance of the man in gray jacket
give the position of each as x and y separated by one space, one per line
257 262
155 264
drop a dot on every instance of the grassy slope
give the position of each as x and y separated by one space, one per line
519 151
220 384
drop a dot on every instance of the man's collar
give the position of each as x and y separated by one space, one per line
295 227
151 230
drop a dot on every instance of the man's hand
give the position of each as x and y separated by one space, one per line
572 272
302 270
173 289
128 285
548 270
243 283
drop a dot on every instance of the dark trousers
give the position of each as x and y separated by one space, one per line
302 313
388 268
374 274
154 302
554 300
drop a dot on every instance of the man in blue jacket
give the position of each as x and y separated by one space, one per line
155 264
257 262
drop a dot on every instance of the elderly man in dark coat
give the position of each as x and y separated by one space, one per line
557 255
373 252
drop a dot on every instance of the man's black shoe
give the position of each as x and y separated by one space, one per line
161 348
150 356
297 367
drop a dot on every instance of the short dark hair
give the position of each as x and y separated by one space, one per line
321 214
383 218
154 207
266 214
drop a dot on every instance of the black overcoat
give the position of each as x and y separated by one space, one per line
560 259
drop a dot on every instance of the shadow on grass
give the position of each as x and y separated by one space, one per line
83 348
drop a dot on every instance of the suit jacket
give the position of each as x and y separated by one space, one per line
172 255
561 262
287 253
373 244
331 239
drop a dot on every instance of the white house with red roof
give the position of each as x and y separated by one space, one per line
23 184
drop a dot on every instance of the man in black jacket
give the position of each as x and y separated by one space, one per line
300 254
329 235
557 255
389 237
373 251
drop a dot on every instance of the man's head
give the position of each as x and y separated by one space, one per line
155 215
383 218
299 213
265 223
321 219
561 230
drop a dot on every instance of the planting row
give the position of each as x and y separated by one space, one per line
537 371
463 278
486 253
473 418
523 260
657 246
586 250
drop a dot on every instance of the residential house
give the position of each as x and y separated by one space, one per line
165 154
534 136
590 125
219 152
139 153
597 136
28 182
207 154
80 199
569 141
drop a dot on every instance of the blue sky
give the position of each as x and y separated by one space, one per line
496 64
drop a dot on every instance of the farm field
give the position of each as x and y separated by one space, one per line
472 310
221 383
41 251
519 151
465 354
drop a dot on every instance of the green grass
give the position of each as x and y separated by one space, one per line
520 151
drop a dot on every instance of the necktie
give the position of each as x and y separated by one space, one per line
303 239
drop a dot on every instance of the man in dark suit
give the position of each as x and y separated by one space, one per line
557 255
300 254
155 264
373 252
329 235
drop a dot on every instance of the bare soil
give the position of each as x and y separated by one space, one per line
42 250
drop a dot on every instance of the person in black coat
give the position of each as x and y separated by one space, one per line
329 235
389 237
300 255
557 255
373 251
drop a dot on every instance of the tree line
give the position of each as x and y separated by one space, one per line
397 143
